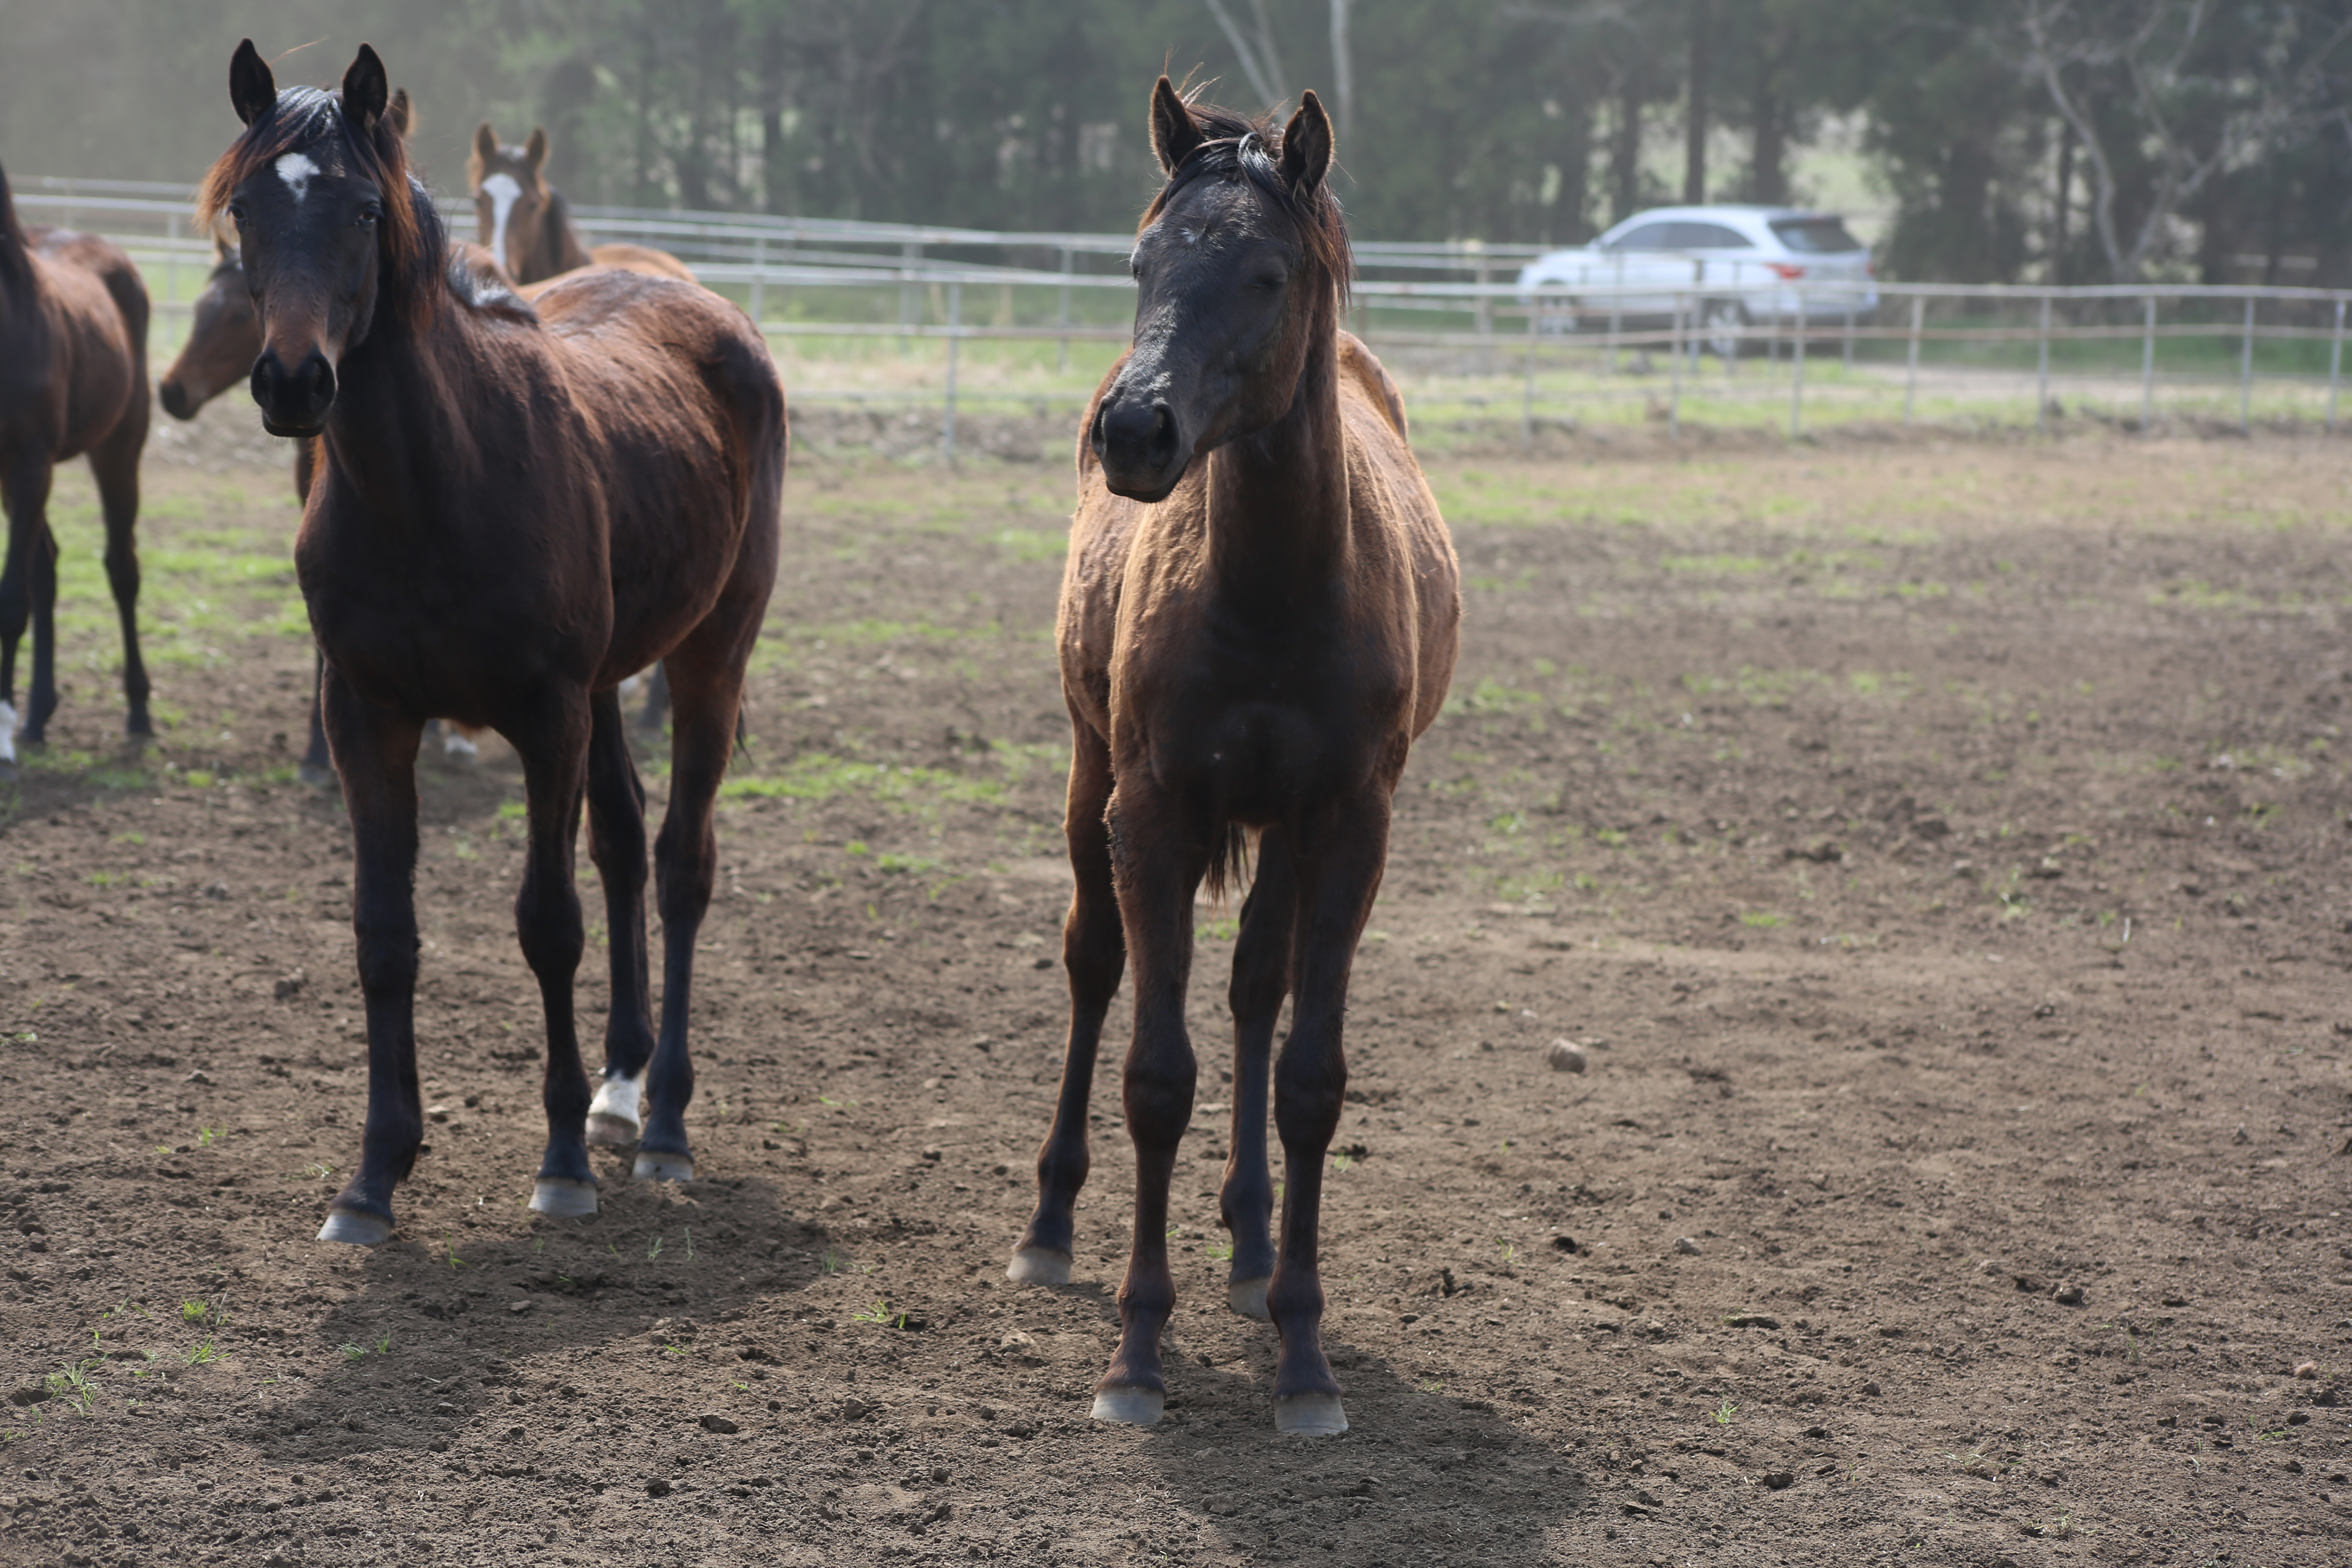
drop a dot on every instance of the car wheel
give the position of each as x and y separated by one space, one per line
1722 327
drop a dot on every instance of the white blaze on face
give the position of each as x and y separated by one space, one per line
504 191
295 169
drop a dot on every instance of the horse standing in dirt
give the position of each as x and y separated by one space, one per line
1259 616
73 383
513 510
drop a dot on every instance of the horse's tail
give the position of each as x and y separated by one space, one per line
1229 864
15 251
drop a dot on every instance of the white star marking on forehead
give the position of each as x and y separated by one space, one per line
295 169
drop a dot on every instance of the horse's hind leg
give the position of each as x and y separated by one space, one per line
115 465
553 744
1339 861
317 768
616 841
24 491
1261 980
707 689
375 753
1094 951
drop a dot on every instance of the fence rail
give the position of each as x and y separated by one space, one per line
810 279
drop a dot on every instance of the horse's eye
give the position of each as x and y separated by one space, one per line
369 214
237 214
1269 280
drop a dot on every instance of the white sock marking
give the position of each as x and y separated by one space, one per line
621 1099
504 191
7 731
452 744
295 169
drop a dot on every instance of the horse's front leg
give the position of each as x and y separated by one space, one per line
1261 980
1338 856
25 492
616 841
376 755
1159 864
551 740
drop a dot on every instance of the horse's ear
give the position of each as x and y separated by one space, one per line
401 115
252 90
536 148
367 91
1173 134
486 142
1306 146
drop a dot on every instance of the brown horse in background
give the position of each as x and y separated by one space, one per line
1259 616
73 383
514 509
527 223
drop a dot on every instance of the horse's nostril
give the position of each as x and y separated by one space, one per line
1163 433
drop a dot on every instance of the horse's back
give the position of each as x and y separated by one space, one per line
623 333
642 258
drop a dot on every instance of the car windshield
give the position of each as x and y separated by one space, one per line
1814 235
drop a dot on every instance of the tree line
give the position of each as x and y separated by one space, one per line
2075 141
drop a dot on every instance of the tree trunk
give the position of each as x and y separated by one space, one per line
2065 200
1343 70
1768 173
1701 60
1567 225
1626 154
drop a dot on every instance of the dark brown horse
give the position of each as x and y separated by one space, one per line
1259 616
514 509
73 381
527 223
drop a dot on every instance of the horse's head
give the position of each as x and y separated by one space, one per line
1240 266
327 220
224 336
510 194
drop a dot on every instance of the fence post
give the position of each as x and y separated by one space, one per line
2246 369
1848 339
2335 364
955 342
2041 372
1797 377
1911 375
1527 393
1486 318
171 257
759 267
1063 319
911 254
1675 398
2148 363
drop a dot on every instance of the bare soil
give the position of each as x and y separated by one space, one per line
1935 851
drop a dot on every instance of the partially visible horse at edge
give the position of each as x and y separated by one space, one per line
73 383
514 509
1259 616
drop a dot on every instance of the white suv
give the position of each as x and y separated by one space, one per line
1731 266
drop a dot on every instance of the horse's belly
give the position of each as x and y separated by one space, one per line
1260 762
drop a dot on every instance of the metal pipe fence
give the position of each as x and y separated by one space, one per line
1590 349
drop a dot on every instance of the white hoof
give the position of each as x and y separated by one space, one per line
7 731
1247 1296
1130 1406
459 748
1309 1415
356 1228
564 1200
316 776
1038 1265
664 1167
615 1116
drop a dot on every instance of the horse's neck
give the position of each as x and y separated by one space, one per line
394 432
559 242
1279 504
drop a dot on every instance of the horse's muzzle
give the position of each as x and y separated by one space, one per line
1140 447
175 400
294 402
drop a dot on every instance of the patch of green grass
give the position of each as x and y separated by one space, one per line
879 1313
1726 1413
1032 543
820 776
1762 917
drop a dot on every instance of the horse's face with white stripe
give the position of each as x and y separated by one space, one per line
509 194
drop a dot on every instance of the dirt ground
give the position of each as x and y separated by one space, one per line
1935 848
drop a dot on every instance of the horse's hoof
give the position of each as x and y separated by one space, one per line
653 1167
564 1199
615 1116
1039 1266
1247 1296
316 776
1132 1407
355 1227
459 750
1309 1415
